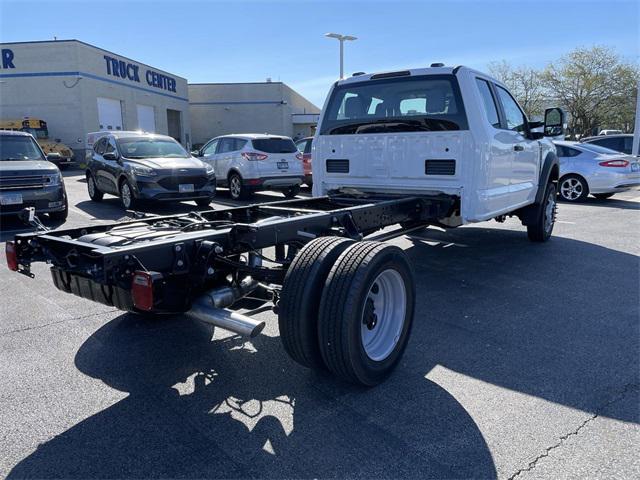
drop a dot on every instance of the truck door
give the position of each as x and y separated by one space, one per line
525 153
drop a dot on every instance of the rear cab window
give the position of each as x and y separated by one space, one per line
401 104
274 145
514 116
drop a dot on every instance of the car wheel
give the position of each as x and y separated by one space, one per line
603 196
94 193
300 299
236 189
366 312
127 197
292 191
541 230
573 188
62 215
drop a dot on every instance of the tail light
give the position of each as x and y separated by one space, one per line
614 163
142 290
12 256
299 156
306 158
252 156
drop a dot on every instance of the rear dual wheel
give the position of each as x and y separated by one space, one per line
352 313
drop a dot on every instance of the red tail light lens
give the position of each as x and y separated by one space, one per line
252 156
299 156
142 290
12 256
614 163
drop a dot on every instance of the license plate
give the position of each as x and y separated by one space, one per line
11 199
282 165
635 167
185 187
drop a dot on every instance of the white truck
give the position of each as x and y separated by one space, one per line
394 152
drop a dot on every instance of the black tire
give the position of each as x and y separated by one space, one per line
203 202
129 203
603 196
237 190
300 299
573 188
541 229
62 215
344 307
97 195
292 191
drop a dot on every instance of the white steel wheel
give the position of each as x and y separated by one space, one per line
366 311
550 212
573 188
383 315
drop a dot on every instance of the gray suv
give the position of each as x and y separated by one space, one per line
139 166
27 179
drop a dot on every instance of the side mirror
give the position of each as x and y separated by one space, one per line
553 122
110 156
196 153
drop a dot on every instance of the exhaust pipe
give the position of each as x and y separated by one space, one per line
210 308
233 321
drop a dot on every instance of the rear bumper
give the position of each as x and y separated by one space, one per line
612 183
273 182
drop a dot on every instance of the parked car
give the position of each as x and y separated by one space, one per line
250 162
139 166
304 147
610 132
587 168
620 143
27 179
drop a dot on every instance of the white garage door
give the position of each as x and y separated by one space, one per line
109 114
146 118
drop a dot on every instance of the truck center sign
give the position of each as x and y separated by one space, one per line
131 71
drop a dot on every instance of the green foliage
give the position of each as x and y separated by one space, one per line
594 86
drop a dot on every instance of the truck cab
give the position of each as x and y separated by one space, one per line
454 131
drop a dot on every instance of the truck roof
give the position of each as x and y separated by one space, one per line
409 72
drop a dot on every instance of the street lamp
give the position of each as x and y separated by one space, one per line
341 39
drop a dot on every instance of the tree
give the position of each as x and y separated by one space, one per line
524 83
595 87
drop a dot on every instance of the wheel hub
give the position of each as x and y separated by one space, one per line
369 318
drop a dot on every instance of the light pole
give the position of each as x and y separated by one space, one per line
341 39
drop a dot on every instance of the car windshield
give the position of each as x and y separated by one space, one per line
598 149
137 147
18 147
404 104
274 145
37 132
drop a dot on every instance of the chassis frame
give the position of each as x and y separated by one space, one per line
212 246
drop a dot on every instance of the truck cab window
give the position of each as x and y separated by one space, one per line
514 116
489 102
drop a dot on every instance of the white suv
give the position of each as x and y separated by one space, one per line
250 162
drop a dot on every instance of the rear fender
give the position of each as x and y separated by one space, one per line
549 173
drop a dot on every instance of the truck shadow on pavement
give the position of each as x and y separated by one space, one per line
558 322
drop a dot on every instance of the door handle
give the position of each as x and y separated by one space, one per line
518 148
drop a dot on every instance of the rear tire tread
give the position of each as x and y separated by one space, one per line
298 287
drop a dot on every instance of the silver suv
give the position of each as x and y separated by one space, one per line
27 179
250 162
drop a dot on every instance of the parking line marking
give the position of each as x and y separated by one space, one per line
81 212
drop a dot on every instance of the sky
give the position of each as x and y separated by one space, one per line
243 41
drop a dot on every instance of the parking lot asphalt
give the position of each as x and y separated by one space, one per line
523 362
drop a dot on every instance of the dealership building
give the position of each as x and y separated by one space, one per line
79 88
